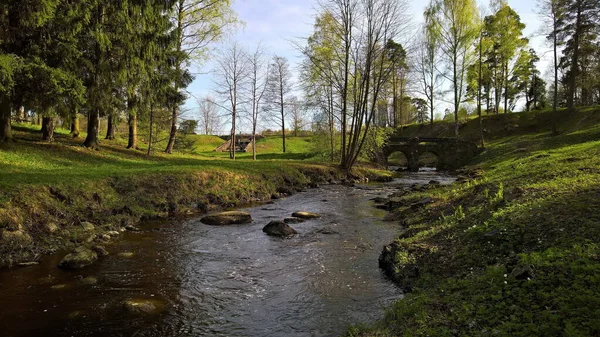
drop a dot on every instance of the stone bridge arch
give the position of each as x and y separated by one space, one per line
451 153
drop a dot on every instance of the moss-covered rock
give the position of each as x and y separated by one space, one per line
80 257
227 218
305 215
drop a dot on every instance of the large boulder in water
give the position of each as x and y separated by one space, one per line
305 215
227 218
79 258
279 228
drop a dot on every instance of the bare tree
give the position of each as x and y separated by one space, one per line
297 112
232 76
278 88
210 121
258 82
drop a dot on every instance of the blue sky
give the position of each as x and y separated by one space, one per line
278 23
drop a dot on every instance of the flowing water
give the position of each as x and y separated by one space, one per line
221 281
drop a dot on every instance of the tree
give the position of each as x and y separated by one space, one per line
359 68
456 21
578 30
297 112
396 56
232 76
197 24
320 77
258 84
210 121
188 127
428 52
552 12
278 88
9 64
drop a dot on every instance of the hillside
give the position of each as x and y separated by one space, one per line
510 250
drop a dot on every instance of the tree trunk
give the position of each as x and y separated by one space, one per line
173 133
48 129
479 89
110 129
506 88
22 114
5 128
75 125
91 141
574 63
39 119
151 127
254 143
132 143
456 102
232 143
555 102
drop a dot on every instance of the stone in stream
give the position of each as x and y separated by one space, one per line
89 281
227 218
28 264
305 215
142 306
126 254
279 228
326 231
79 258
291 221
100 250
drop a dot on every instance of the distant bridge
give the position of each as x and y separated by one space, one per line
451 153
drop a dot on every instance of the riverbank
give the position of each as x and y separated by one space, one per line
512 249
58 195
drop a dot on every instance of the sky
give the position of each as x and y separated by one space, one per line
281 24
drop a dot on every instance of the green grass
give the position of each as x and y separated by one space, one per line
514 251
297 148
32 161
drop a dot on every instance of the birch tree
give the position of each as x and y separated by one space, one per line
258 83
278 89
456 21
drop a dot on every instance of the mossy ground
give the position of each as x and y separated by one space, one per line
515 249
48 189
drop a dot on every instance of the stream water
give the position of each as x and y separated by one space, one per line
222 281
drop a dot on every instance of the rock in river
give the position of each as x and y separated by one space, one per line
293 220
279 228
227 218
306 215
139 306
79 258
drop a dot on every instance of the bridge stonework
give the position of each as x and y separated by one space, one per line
451 153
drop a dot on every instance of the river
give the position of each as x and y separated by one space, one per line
222 281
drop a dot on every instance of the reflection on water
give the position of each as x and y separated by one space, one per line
221 281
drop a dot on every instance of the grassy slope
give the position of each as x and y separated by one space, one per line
297 148
514 251
48 189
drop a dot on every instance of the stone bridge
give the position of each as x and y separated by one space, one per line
451 153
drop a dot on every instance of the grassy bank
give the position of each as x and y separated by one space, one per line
48 190
513 249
